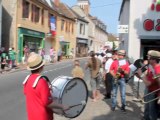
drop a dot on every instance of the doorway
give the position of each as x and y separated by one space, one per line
33 43
149 44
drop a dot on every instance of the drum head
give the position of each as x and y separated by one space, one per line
75 94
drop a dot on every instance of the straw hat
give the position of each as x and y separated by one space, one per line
154 54
121 52
35 61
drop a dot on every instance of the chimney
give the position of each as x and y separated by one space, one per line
56 2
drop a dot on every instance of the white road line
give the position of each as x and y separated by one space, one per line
46 71
57 68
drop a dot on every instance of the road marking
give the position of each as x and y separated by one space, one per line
46 71
57 68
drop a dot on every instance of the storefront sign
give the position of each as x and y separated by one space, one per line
83 41
33 32
122 28
25 31
153 24
150 25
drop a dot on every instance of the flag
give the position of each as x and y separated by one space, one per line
53 25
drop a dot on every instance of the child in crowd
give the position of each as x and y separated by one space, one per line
77 70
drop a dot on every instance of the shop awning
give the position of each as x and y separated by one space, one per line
149 37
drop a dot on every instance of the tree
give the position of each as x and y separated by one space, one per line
114 46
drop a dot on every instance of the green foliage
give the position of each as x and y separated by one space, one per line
158 1
114 46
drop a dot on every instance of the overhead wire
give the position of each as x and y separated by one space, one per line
106 5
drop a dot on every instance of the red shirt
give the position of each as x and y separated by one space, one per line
37 99
154 84
115 65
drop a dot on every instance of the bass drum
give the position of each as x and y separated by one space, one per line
71 92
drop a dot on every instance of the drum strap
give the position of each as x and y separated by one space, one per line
36 81
24 82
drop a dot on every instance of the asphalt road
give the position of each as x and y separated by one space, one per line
12 101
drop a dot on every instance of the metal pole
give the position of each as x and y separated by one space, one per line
138 89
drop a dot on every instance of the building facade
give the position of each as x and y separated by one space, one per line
0 23
33 23
144 30
96 29
82 41
37 24
28 24
65 38
101 36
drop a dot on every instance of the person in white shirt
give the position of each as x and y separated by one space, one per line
108 76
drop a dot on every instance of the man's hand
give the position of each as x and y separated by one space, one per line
120 70
139 72
65 108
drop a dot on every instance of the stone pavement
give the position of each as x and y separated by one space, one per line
100 110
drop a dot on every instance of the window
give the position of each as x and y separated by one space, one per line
69 27
42 19
84 30
37 10
66 26
62 25
35 13
72 28
81 28
25 5
49 19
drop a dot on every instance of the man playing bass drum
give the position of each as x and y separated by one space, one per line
39 101
119 70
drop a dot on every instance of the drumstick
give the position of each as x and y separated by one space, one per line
82 103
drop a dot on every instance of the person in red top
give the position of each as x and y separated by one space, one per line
151 108
39 102
119 70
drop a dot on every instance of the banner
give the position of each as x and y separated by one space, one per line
53 25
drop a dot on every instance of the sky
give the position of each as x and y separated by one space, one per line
106 10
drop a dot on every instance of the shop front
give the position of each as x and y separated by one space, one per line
32 39
144 27
149 44
64 46
82 47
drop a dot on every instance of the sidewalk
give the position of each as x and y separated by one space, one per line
22 66
100 110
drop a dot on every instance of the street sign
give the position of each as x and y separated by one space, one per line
122 28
